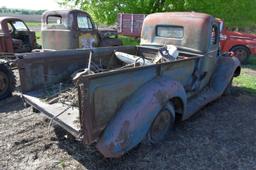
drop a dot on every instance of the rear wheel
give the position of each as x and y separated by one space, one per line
7 81
242 53
162 125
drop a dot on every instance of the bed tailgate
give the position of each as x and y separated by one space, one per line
64 115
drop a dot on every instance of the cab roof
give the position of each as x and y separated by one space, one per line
62 13
6 18
197 28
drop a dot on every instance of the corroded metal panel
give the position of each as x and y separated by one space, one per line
59 39
134 118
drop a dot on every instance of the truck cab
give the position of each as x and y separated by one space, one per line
70 29
15 36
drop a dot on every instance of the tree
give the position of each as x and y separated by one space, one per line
236 13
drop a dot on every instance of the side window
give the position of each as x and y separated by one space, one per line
84 22
56 22
214 35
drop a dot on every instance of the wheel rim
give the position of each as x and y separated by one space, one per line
160 125
3 82
241 54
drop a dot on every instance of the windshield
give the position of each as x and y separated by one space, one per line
84 22
19 26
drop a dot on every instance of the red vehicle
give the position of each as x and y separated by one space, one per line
242 44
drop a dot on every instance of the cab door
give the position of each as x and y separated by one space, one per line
87 34
5 37
211 58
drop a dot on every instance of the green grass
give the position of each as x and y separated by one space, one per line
128 40
247 78
38 38
33 24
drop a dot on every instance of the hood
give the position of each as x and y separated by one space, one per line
240 35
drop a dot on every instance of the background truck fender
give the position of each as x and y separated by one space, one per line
134 118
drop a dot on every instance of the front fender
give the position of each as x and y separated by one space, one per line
225 71
134 118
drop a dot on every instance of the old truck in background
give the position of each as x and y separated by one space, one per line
242 44
61 29
15 37
70 29
117 97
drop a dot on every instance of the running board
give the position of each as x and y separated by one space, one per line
206 96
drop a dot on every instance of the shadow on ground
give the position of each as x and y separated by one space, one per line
6 104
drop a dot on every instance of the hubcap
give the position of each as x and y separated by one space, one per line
241 54
160 125
3 82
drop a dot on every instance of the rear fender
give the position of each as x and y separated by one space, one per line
134 118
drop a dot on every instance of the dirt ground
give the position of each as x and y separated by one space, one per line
220 136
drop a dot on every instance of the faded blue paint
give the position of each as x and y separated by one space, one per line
220 79
134 118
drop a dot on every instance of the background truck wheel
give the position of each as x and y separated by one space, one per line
161 126
110 42
242 53
7 81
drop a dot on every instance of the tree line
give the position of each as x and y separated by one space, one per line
4 10
236 13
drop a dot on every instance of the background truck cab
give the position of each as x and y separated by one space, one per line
70 29
15 36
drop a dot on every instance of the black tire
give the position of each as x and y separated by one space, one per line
7 81
110 42
161 126
242 53
228 90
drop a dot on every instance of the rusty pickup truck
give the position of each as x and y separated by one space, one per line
70 29
117 97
